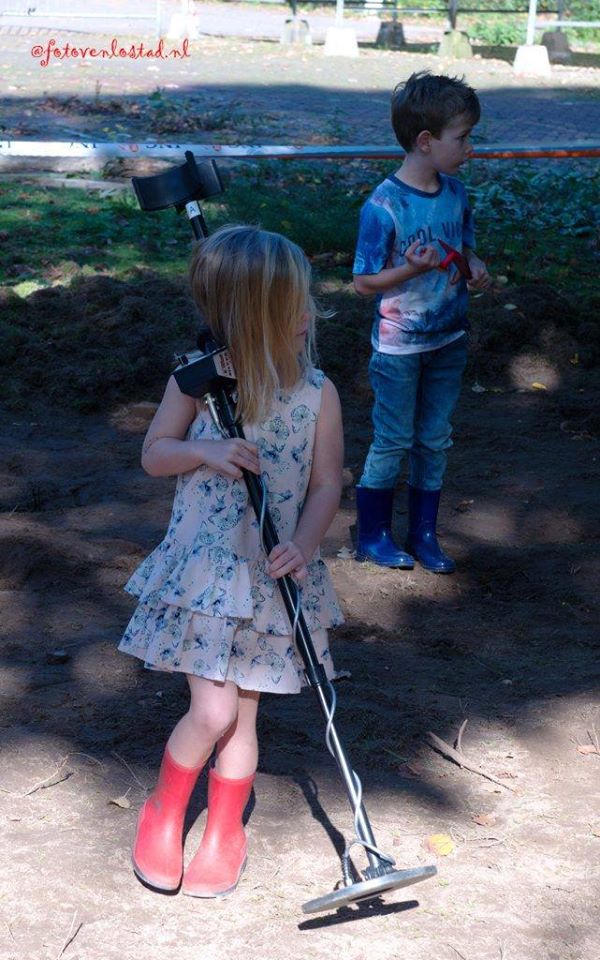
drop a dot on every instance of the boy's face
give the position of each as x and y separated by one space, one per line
453 146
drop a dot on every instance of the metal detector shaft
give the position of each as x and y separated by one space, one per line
182 188
314 669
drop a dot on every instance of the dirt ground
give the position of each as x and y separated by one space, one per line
509 644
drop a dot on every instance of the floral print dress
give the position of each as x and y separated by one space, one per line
206 603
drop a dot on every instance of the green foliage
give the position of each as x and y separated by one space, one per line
546 199
582 9
498 31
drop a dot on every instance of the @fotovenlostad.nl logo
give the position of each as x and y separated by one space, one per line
53 50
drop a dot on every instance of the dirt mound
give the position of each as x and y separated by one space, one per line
534 319
102 341
95 342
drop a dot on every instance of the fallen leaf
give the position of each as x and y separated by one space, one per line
536 385
120 802
440 844
587 748
484 819
595 830
510 306
502 280
464 505
477 388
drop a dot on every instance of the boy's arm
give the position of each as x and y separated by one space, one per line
419 259
480 278
376 239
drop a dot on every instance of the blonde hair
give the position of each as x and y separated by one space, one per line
253 290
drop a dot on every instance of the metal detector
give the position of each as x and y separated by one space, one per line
208 374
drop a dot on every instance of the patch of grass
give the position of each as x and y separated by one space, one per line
93 291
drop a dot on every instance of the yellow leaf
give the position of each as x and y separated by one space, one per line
440 844
536 385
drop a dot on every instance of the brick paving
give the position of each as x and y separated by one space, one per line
285 94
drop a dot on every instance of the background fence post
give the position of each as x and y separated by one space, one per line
531 22
452 13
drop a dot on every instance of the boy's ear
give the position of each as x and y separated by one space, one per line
423 141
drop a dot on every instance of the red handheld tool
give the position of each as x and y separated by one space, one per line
459 261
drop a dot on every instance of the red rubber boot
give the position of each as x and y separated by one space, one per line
158 847
219 863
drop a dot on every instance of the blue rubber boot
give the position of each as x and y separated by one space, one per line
422 540
374 521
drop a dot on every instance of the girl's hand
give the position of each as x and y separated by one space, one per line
287 558
426 259
480 279
230 456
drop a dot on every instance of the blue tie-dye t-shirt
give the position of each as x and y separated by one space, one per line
426 312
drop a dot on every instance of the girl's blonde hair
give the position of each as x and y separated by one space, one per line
253 290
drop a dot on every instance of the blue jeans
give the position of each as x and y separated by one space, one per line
415 395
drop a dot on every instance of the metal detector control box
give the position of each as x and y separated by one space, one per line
200 373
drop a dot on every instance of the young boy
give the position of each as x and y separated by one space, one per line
419 334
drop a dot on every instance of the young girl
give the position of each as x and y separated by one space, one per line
209 602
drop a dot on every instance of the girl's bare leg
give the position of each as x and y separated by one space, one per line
237 749
212 712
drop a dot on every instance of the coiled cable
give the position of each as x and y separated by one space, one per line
329 708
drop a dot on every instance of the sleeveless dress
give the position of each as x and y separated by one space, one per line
206 603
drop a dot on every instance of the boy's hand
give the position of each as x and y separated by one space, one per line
422 258
287 558
480 279
230 456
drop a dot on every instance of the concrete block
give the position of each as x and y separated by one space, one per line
532 60
557 44
296 30
455 45
341 42
390 35
181 26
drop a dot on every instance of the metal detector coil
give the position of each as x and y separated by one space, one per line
209 374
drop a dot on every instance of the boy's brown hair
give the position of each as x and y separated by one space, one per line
429 102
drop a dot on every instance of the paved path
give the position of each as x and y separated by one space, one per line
251 21
276 93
